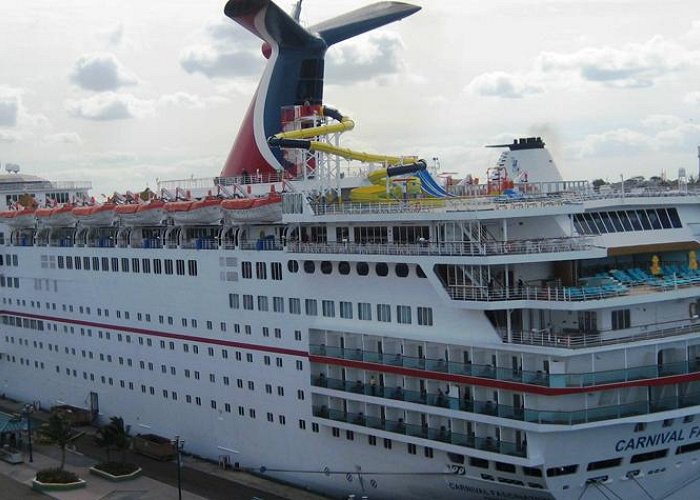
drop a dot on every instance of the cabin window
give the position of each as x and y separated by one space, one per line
621 319
403 314
311 307
384 313
276 270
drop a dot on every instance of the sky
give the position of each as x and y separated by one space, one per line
125 93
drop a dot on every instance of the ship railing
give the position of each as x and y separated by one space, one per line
573 340
530 377
441 434
435 205
535 377
200 244
46 186
71 185
455 248
262 244
492 408
567 294
256 178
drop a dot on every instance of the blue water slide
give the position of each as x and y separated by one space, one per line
430 186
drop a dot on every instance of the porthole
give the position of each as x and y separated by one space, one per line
309 266
401 270
326 267
381 269
344 267
362 269
293 266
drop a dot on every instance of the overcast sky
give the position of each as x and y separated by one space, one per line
125 92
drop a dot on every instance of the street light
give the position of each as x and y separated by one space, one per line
28 410
179 444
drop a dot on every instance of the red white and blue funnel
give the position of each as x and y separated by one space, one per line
294 72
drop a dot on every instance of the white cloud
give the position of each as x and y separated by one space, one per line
7 136
10 103
614 142
114 36
111 106
100 72
692 98
192 101
656 133
500 84
375 55
216 55
63 138
632 65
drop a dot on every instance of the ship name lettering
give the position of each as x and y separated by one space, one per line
641 442
489 493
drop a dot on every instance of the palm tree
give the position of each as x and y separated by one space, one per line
58 429
113 436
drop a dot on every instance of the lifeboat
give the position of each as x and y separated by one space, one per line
95 215
265 209
205 211
25 217
58 216
141 214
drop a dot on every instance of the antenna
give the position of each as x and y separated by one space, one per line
699 163
296 11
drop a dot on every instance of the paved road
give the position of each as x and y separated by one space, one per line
9 488
194 481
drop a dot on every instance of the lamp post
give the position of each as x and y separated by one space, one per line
28 410
179 444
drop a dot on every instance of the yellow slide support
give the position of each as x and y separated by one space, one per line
382 188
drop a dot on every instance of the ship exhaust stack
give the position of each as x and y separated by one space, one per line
294 72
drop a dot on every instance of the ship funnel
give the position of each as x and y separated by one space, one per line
294 71
527 160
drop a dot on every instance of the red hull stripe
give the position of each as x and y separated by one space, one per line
165 335
501 384
375 367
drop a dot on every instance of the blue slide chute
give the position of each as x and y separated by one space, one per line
430 186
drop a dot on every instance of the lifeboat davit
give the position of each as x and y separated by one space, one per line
58 216
141 214
265 209
24 217
205 211
95 215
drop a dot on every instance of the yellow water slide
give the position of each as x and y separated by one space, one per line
382 187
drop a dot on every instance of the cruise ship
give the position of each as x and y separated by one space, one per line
356 324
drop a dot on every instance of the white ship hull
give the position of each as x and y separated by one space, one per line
527 338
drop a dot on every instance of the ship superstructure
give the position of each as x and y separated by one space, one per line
369 330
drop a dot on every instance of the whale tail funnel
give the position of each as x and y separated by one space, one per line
294 71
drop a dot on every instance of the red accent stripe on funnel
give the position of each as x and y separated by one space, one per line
245 157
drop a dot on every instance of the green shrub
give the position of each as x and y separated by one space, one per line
117 468
56 476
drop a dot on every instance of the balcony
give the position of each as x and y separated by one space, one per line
576 340
529 377
421 431
565 294
432 365
492 408
450 249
